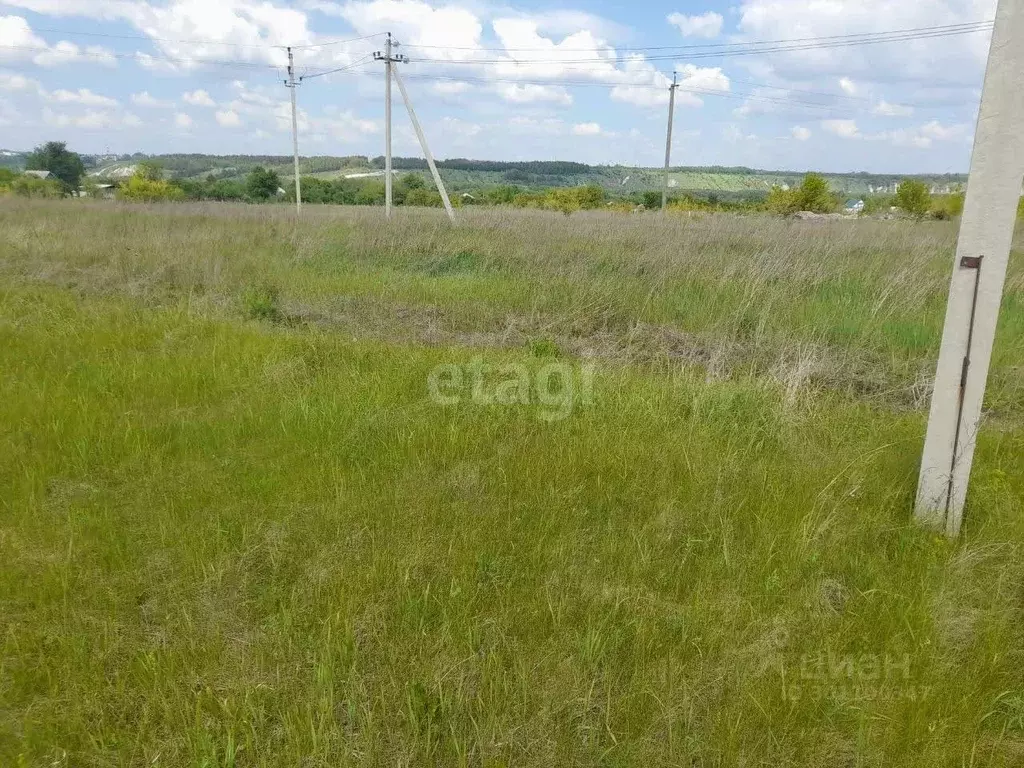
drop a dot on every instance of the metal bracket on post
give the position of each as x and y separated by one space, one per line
966 262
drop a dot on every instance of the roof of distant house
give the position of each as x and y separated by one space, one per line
38 174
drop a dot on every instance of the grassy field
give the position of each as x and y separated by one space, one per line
238 526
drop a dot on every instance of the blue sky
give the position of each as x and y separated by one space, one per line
523 80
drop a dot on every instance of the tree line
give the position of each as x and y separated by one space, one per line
152 181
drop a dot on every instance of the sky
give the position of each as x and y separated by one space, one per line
526 80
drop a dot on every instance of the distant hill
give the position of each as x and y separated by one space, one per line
464 175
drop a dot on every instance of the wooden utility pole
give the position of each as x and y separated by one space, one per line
979 271
668 138
388 60
390 72
292 85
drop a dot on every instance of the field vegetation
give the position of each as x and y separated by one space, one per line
237 530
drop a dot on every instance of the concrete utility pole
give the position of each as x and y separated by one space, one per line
426 149
388 60
979 271
668 138
295 131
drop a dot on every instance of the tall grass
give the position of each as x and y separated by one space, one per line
235 530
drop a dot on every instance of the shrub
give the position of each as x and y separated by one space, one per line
948 206
877 203
912 197
261 302
423 196
781 201
652 200
814 194
262 184
30 186
564 200
543 347
139 189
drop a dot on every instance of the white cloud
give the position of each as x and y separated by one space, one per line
908 137
960 58
704 78
450 87
733 134
182 120
707 24
921 137
233 29
14 82
800 133
19 43
531 93
145 100
648 87
846 129
462 128
91 120
82 96
936 130
848 86
547 126
228 118
586 129
199 98
885 109
68 53
414 22
345 126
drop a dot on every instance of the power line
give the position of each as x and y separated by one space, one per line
362 60
140 55
739 95
340 42
966 26
736 49
149 38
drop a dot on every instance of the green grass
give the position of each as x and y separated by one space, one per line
236 531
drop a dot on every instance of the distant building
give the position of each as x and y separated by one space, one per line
38 174
369 175
853 206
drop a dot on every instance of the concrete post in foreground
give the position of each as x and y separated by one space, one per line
979 271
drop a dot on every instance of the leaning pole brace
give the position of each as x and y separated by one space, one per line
979 272
423 143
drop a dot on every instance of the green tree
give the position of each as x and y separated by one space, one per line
262 184
150 170
913 197
54 156
781 201
423 196
413 181
590 196
814 194
30 186
370 193
502 194
139 189
652 200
